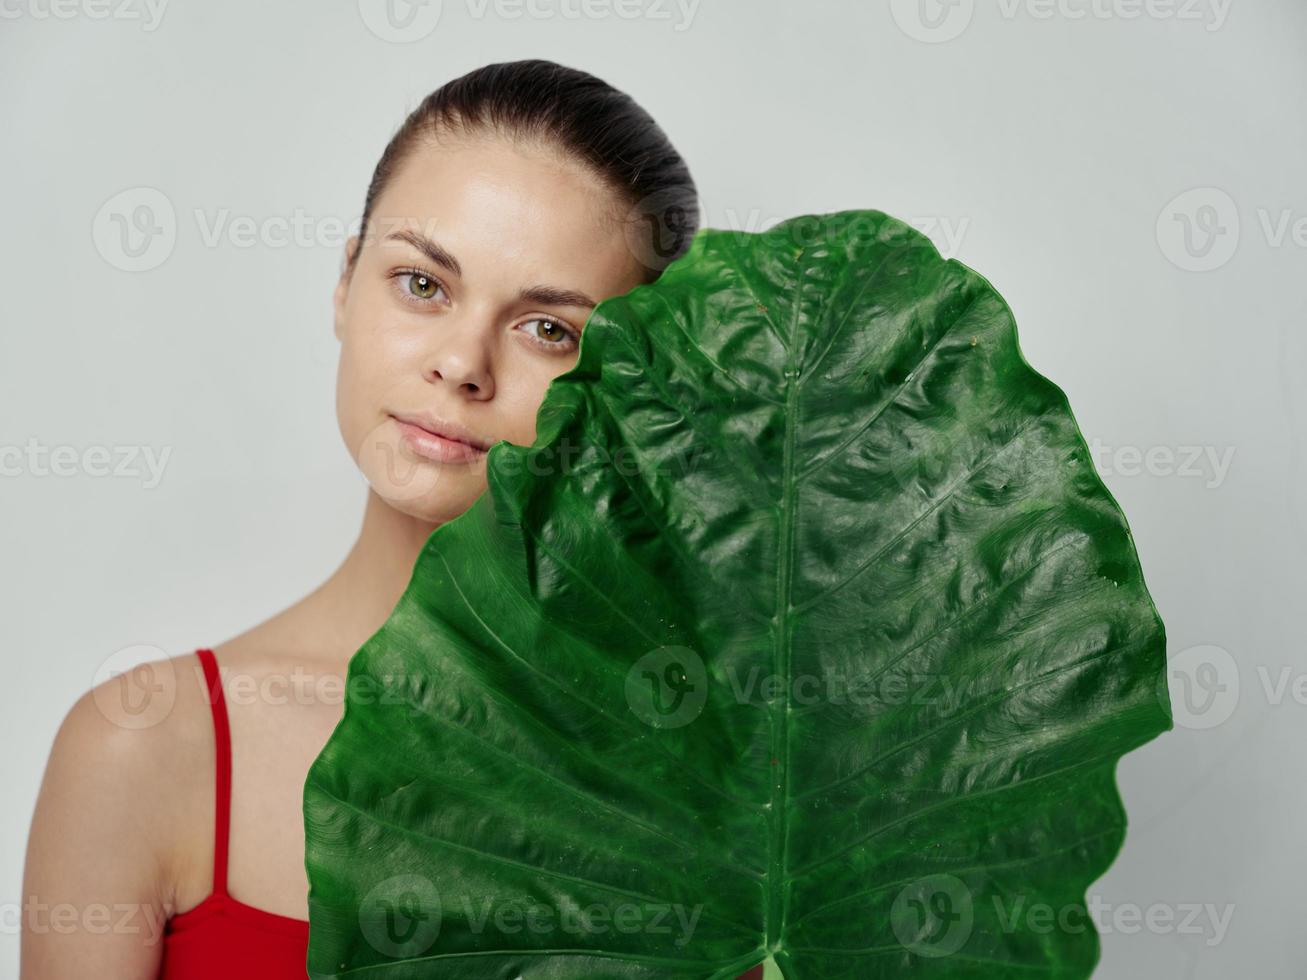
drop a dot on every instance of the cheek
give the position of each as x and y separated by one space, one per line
367 369
363 398
520 396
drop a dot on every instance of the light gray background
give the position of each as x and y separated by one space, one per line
1047 145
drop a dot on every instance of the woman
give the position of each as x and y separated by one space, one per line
509 203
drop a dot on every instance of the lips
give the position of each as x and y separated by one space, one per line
440 439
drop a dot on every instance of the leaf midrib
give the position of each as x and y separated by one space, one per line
777 908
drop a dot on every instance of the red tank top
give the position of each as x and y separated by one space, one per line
222 938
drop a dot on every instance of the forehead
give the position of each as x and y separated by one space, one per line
509 210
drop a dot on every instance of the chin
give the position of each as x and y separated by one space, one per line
432 492
413 484
432 512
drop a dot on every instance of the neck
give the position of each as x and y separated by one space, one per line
356 600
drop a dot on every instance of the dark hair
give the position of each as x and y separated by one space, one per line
584 117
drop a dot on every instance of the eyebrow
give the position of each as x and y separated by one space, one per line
545 295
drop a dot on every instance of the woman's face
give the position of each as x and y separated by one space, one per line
482 262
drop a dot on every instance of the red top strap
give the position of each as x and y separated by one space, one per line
222 739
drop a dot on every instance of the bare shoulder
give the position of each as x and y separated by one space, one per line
117 805
125 814
139 746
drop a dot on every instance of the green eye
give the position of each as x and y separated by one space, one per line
550 333
415 286
423 287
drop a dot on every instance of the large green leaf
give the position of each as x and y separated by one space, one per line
806 629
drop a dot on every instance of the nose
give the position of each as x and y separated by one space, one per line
460 358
